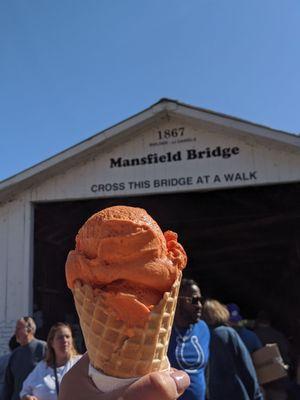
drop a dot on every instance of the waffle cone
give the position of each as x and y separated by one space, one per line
112 347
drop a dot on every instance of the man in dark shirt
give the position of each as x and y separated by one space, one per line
268 334
23 359
277 389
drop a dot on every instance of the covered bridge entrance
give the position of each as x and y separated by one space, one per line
243 246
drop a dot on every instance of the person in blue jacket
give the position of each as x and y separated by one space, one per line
189 342
250 339
231 374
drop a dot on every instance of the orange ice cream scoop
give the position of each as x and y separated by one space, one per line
131 302
122 251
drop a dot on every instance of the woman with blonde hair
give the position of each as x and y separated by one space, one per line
231 374
43 382
215 313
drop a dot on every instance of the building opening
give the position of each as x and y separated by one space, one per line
243 246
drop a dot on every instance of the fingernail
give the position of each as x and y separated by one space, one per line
181 379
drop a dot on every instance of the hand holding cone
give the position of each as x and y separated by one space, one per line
125 276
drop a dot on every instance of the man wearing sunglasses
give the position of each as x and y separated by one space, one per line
189 343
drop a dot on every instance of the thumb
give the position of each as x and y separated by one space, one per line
158 385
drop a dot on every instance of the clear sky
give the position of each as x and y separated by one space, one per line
71 68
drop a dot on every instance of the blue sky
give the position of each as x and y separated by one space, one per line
71 68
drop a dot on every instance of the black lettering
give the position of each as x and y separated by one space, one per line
217 179
139 184
226 152
252 175
191 154
182 181
107 187
135 161
150 158
94 188
216 152
235 150
245 177
115 163
228 177
177 156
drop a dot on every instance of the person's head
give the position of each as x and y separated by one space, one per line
189 307
215 313
234 314
60 343
25 330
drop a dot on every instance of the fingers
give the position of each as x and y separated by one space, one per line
158 385
77 385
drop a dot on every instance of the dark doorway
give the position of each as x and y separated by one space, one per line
243 246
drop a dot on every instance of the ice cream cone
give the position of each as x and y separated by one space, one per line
113 347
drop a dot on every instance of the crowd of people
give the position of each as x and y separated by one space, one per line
34 369
210 343
209 352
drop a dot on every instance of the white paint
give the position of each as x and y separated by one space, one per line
7 328
4 261
17 301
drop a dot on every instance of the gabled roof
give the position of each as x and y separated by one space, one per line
82 150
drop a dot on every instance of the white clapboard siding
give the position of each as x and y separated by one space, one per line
17 261
3 260
15 282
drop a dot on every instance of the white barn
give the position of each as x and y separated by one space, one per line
177 161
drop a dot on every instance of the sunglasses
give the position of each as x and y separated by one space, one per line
193 300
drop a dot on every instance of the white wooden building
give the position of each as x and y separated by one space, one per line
172 158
